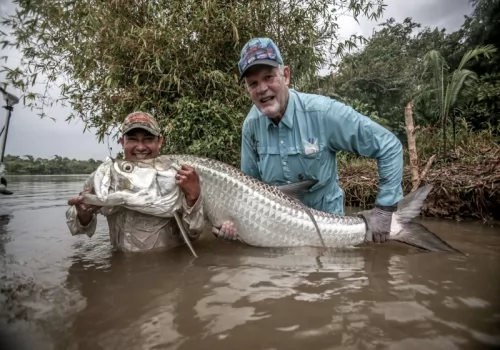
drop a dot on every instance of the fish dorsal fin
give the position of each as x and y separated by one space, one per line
297 190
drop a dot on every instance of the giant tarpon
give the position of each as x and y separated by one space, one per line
264 215
270 216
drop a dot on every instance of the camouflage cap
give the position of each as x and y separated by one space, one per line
141 120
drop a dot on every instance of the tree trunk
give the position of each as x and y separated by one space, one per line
444 137
454 134
412 147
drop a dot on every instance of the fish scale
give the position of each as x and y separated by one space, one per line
263 214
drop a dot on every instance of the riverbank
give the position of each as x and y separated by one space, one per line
29 165
463 189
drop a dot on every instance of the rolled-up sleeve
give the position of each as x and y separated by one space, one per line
351 131
74 225
193 217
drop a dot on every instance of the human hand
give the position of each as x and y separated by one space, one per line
84 211
188 181
379 221
227 231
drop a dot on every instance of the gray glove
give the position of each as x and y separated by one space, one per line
378 221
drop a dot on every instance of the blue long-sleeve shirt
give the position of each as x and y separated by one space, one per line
305 143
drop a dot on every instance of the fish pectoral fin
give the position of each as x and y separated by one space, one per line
297 190
311 216
92 199
184 232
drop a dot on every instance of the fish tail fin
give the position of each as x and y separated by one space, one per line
412 233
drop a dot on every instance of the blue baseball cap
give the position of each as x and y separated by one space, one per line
259 51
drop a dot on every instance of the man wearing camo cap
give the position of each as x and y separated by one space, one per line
130 230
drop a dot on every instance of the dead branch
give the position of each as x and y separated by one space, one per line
423 173
412 147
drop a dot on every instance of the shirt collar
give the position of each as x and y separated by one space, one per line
287 119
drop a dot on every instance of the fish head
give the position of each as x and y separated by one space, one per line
102 177
120 178
132 177
148 186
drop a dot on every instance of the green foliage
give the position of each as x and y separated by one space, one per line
486 111
206 128
384 76
480 29
403 63
28 165
471 144
175 59
451 91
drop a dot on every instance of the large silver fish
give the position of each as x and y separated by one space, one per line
270 216
264 215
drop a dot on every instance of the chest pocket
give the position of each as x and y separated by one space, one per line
311 149
309 163
316 155
295 164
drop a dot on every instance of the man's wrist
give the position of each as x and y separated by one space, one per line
191 200
85 218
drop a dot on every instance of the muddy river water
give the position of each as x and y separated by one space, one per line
65 292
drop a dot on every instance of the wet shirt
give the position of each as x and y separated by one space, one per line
305 143
132 231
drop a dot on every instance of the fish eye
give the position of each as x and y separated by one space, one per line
127 167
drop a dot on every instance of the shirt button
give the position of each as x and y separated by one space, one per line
288 182
284 163
281 141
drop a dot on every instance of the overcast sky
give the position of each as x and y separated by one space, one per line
28 134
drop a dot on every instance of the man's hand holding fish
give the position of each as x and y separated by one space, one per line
189 183
84 211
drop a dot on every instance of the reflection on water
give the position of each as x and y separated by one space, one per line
64 292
